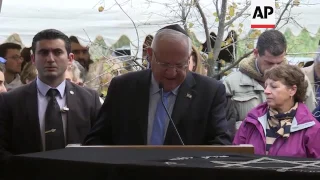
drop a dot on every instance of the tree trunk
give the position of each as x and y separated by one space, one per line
183 15
217 45
209 48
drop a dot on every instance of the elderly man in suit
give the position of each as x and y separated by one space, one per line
133 113
50 112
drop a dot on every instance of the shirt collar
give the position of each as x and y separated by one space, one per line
16 80
44 88
155 87
256 63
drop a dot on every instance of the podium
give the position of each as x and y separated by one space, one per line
240 149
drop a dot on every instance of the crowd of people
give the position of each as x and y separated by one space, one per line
267 103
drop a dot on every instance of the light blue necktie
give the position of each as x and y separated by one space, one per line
158 130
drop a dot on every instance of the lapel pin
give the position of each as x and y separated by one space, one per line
189 96
71 92
65 109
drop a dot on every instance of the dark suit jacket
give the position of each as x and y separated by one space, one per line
123 119
19 120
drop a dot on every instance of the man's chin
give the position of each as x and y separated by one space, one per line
170 87
51 75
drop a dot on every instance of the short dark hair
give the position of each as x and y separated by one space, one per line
26 54
289 75
51 34
5 46
273 41
74 39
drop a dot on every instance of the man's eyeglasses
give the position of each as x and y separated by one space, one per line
181 67
16 58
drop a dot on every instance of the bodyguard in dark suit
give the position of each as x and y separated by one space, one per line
132 113
50 112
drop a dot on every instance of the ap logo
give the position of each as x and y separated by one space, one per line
263 14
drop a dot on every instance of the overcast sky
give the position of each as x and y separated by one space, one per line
72 16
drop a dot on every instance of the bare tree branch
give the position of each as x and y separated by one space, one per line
284 10
92 7
238 14
206 29
295 22
217 45
217 8
183 16
167 5
111 7
107 71
285 23
189 9
87 35
247 54
135 27
233 65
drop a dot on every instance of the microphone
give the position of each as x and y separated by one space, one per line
165 108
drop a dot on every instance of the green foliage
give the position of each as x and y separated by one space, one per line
123 41
98 49
302 43
194 39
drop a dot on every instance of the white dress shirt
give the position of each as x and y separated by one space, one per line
43 103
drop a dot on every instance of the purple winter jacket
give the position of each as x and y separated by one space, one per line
304 140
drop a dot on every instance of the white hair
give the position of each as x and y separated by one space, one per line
172 35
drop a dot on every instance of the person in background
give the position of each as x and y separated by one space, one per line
50 112
246 86
11 53
28 73
283 125
81 54
205 63
73 74
313 73
2 87
26 55
133 113
195 62
145 59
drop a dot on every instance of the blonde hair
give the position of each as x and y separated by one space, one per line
198 61
29 72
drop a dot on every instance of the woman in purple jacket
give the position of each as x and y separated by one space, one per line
283 125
